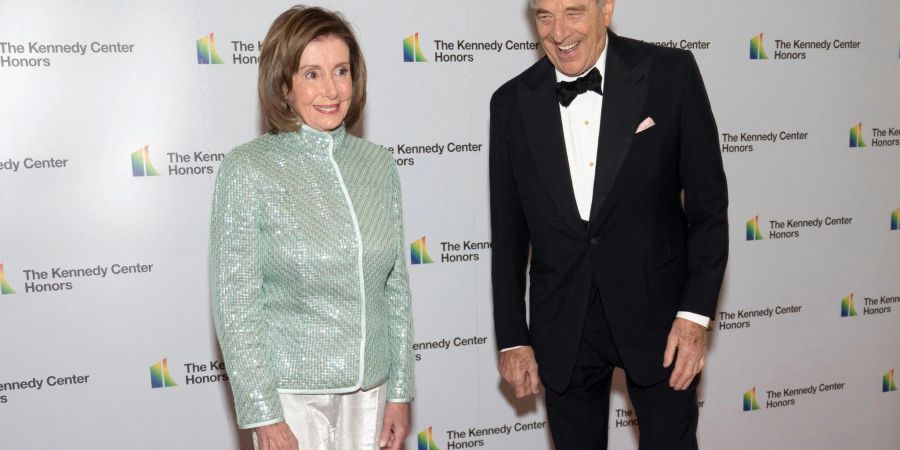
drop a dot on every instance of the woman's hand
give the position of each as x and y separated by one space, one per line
277 436
396 425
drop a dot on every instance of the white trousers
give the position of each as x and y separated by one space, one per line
349 421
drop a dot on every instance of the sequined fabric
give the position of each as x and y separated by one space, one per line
310 291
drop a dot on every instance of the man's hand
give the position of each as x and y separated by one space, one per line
277 436
395 427
519 368
689 339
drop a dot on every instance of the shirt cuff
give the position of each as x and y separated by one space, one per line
703 321
510 348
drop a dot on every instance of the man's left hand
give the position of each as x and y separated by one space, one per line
396 425
689 339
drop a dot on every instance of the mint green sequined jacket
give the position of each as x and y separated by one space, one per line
310 291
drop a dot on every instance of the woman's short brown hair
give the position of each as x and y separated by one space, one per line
279 59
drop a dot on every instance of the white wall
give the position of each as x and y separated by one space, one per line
94 110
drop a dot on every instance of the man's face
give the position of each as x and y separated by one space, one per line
573 32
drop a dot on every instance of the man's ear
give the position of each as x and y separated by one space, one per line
608 6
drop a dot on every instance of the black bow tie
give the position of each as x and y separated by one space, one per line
566 91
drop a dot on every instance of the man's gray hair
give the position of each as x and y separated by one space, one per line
531 3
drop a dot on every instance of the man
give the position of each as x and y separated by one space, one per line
618 202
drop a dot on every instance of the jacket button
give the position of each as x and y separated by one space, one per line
594 241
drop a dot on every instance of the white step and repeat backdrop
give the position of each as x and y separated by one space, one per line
114 116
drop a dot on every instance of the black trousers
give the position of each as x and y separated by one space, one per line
579 416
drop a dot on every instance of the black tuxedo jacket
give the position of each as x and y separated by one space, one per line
657 240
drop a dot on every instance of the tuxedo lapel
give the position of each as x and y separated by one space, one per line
624 93
544 134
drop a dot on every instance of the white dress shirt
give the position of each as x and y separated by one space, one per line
581 130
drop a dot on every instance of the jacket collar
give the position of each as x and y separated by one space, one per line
623 100
310 140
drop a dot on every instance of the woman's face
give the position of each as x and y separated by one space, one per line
322 84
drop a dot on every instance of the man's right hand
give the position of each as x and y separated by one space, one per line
277 436
519 368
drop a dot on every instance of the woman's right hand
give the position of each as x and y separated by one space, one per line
277 436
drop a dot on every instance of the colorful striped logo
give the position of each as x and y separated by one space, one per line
5 288
426 440
887 384
895 219
753 231
159 375
756 47
206 51
419 252
411 50
750 403
856 136
141 166
847 309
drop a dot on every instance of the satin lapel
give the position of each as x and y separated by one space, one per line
544 134
624 93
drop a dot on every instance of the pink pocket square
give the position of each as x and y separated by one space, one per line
647 123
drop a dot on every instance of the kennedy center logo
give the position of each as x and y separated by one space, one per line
141 166
206 51
753 230
756 47
750 403
419 252
5 288
411 50
847 309
895 219
887 385
856 136
426 440
159 375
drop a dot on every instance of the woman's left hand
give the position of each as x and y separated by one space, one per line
396 425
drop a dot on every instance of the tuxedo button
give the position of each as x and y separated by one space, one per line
594 241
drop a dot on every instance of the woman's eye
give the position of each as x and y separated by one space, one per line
310 75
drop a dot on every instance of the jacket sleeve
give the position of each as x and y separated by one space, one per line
509 234
705 196
235 281
401 387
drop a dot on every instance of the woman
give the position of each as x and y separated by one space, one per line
310 289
